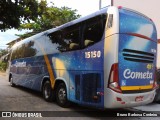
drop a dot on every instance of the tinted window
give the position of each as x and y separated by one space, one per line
24 50
29 50
72 38
77 36
66 39
93 30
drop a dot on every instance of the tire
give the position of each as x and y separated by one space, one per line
61 96
47 92
11 82
157 96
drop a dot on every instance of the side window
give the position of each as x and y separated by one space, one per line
12 55
66 39
71 38
8 56
93 30
28 50
17 53
57 41
24 50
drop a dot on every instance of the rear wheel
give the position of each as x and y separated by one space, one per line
11 82
47 91
61 95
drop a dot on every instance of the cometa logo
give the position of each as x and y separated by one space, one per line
128 74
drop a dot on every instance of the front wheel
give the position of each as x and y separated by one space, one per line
61 96
11 82
47 91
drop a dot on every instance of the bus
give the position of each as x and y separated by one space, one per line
104 60
157 96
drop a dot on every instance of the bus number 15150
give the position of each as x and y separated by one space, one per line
93 54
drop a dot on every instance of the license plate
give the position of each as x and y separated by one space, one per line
139 98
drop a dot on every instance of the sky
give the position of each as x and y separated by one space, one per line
8 36
85 7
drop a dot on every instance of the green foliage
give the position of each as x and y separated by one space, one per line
51 17
33 15
3 66
14 12
3 52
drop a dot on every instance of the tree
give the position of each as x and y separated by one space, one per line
14 12
3 52
51 17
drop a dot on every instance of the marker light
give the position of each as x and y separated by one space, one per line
119 7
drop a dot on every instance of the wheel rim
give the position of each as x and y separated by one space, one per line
47 91
62 95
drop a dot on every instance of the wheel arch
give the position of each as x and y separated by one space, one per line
44 79
9 77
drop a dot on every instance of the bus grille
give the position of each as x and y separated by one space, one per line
138 56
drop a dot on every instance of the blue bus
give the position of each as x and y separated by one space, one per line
157 96
104 60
